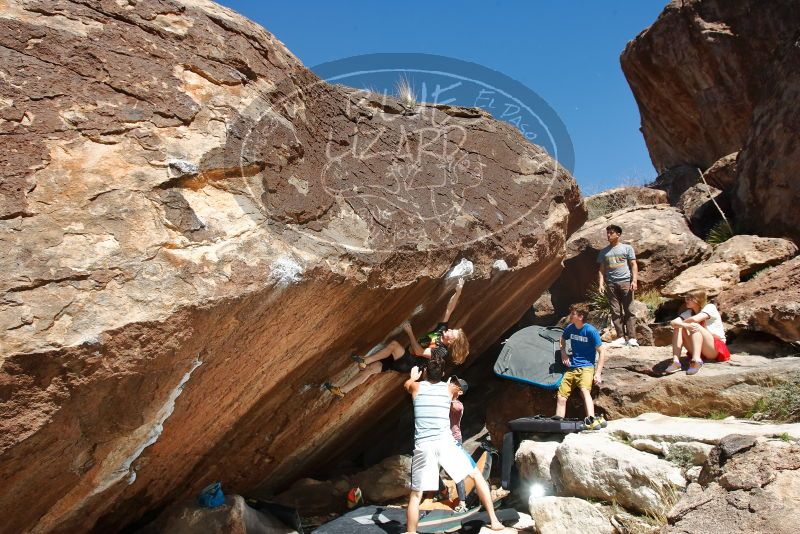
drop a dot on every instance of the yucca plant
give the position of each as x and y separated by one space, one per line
599 303
720 232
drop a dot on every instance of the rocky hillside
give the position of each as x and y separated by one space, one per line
714 78
198 231
714 82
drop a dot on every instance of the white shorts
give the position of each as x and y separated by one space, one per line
429 455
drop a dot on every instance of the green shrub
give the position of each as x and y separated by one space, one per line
722 231
651 298
718 415
599 304
781 403
681 457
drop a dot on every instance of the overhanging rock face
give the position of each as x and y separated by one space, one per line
197 231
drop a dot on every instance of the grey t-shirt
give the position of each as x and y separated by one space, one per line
615 262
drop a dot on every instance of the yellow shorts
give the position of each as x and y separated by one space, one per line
580 376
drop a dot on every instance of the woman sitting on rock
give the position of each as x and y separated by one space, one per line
700 330
443 341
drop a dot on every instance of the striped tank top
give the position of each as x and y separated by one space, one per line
431 411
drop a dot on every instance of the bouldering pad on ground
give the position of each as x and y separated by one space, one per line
532 356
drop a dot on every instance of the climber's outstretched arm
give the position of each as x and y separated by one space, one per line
451 305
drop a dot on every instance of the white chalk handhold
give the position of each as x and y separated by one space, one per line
464 269
285 270
500 265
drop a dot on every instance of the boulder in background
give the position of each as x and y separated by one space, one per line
768 302
712 277
697 74
612 200
752 253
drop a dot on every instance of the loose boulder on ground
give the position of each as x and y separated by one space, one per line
534 458
387 480
769 302
593 465
232 517
752 489
753 253
556 515
316 497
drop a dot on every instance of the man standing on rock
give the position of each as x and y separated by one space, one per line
618 273
434 445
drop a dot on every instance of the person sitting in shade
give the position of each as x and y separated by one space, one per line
699 329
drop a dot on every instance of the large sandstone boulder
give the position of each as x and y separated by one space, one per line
752 253
555 515
664 245
754 488
697 76
593 465
769 302
196 229
633 385
767 187
534 458
386 481
713 277
612 200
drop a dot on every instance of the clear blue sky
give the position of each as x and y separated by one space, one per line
567 52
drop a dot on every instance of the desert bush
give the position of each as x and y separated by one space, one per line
681 457
782 403
652 299
405 93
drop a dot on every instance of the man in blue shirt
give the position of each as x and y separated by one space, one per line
581 351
